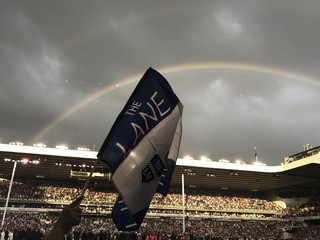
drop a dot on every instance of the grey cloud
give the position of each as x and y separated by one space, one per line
54 54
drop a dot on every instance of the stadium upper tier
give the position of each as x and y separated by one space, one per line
59 164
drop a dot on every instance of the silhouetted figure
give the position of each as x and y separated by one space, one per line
70 216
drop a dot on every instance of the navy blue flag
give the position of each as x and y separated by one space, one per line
142 148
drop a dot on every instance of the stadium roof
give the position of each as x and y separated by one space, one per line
67 165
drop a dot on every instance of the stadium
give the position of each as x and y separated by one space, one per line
207 199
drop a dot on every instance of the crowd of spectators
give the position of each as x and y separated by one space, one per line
208 216
19 190
311 208
55 192
33 226
223 202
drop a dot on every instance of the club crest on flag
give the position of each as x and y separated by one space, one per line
142 148
153 169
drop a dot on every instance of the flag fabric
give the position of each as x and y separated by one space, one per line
142 148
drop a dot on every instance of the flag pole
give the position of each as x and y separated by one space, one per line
183 206
86 185
9 191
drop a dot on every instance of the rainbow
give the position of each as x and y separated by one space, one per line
182 69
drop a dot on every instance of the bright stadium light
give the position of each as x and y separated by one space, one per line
40 145
259 163
83 149
16 143
24 161
62 147
239 161
204 158
224 160
210 175
187 157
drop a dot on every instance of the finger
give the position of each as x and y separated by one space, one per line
76 202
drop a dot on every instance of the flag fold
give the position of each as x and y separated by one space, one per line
142 148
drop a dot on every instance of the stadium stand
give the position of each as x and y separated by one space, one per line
279 204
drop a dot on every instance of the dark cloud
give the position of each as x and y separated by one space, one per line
53 54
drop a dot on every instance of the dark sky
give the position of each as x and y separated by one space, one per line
246 71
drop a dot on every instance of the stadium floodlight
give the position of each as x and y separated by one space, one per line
256 163
239 161
40 145
204 158
233 173
210 175
35 162
224 160
83 149
62 147
188 157
16 143
191 174
24 161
